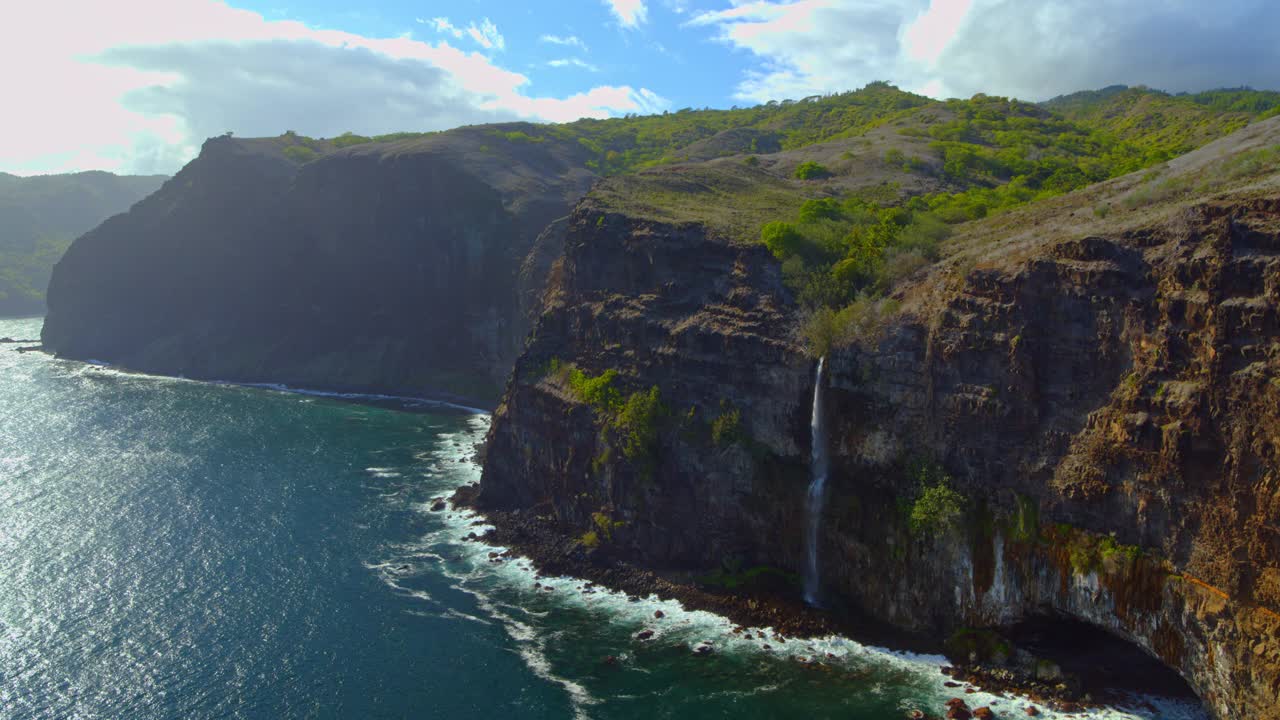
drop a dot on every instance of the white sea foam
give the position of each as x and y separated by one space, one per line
464 616
406 399
531 646
104 367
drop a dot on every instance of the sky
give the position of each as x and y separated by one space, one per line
135 86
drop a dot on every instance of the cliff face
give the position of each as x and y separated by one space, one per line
1110 409
389 267
1103 394
667 305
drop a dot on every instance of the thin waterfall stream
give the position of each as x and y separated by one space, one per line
817 486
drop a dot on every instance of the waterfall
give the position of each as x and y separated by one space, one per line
817 487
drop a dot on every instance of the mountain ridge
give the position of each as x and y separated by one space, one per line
957 159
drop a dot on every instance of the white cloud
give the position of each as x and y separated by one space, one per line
1038 50
1032 50
809 47
630 13
137 85
934 29
567 40
597 102
572 62
442 25
487 35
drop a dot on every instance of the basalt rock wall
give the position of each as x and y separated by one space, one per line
1107 407
383 267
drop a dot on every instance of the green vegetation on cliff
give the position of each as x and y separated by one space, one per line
955 161
835 250
602 530
936 507
630 423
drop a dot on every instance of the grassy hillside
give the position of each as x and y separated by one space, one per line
1244 165
40 216
852 212
1166 125
1154 125
621 145
872 203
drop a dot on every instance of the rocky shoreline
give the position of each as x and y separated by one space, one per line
554 554
1022 680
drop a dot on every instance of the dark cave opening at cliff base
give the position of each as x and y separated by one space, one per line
1109 667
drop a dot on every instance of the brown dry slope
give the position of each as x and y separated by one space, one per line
1098 374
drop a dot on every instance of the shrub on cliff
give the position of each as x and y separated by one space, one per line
638 423
726 429
602 530
731 576
823 330
783 240
981 645
811 171
862 321
632 423
519 136
937 507
836 249
300 153
1090 553
348 139
599 392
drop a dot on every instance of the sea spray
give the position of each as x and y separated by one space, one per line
817 487
521 594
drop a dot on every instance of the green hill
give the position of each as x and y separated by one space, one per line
1165 124
851 209
41 215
